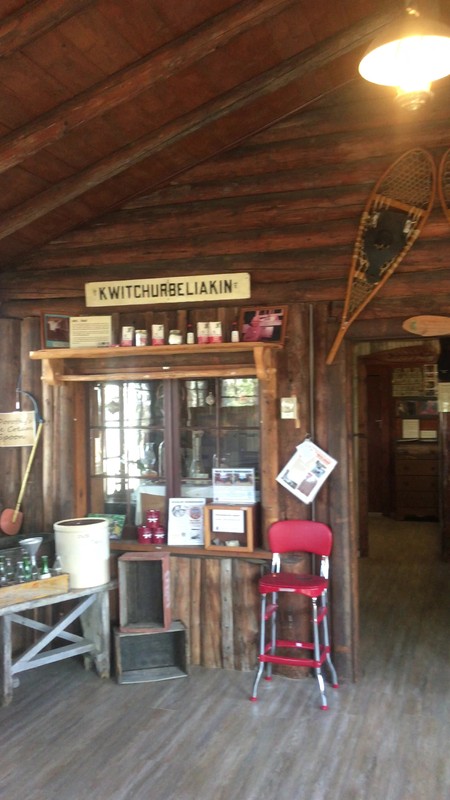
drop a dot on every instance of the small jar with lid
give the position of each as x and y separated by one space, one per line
175 337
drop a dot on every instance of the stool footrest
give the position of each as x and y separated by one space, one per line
270 657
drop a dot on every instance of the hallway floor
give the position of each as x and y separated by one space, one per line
70 736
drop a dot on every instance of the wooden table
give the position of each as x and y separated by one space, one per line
92 608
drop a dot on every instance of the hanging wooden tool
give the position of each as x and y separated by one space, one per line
427 325
11 519
393 218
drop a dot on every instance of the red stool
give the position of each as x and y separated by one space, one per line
296 536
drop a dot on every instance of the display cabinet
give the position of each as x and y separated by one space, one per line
158 439
161 418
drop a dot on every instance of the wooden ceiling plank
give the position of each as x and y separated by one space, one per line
171 133
34 19
132 81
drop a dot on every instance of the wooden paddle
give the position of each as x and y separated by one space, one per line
11 519
427 325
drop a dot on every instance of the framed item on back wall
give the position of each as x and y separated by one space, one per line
55 330
265 324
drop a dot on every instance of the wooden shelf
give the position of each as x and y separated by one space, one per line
155 362
131 545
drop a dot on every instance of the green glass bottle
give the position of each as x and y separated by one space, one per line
26 568
45 571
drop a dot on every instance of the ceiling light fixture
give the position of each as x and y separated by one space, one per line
409 55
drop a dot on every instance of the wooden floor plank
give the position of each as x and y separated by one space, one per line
70 736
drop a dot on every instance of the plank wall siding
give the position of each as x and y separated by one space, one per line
283 206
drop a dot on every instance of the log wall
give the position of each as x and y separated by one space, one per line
284 207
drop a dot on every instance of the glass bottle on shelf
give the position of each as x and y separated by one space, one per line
196 469
19 575
3 575
27 573
45 571
147 464
57 566
190 336
10 574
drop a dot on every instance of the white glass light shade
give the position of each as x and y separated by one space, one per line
411 56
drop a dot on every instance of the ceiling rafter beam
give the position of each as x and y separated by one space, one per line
34 19
171 133
132 81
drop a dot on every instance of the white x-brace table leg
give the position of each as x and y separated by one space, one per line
94 644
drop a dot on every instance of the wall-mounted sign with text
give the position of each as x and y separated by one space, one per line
185 289
17 428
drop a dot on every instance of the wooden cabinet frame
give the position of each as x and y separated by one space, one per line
71 367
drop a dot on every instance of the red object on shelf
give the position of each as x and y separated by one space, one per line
145 534
159 535
152 517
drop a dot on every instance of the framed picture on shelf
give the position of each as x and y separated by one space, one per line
55 330
263 324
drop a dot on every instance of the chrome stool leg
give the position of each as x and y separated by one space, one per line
273 634
326 640
317 669
262 647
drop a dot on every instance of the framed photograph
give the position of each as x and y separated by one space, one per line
265 324
55 330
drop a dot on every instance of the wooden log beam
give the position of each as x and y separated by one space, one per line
40 287
131 81
33 19
173 132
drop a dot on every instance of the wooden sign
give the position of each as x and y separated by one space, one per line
184 289
17 429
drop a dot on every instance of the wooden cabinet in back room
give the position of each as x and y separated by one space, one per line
416 480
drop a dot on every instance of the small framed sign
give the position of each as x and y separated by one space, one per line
55 330
90 331
266 324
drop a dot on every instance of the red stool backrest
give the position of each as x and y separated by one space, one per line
297 535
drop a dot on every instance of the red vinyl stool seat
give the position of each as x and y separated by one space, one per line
299 537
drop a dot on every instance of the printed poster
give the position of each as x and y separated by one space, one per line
185 521
306 471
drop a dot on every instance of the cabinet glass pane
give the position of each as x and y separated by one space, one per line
219 427
126 436
210 423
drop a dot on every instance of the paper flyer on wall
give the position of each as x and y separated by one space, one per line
306 471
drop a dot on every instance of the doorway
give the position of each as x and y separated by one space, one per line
397 433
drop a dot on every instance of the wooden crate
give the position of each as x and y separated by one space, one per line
231 527
144 592
33 590
151 656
